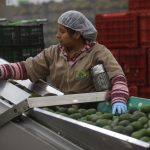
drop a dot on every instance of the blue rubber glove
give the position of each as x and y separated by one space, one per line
118 108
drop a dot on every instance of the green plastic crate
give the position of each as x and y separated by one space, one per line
133 101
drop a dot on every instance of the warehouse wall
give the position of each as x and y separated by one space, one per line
2 8
5 11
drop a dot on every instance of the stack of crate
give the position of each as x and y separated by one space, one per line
127 35
19 40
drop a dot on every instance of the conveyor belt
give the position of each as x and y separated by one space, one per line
85 135
30 135
49 131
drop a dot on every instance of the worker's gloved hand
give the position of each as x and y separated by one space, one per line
118 108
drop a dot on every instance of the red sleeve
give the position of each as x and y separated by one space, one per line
15 71
120 92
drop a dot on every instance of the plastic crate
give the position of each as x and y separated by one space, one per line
134 64
21 35
15 54
144 91
133 90
148 66
144 29
117 30
137 102
133 101
138 5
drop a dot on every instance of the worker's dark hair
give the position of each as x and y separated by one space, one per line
71 32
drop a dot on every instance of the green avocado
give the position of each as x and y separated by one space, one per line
136 115
145 139
128 130
119 129
125 116
145 109
136 125
76 115
72 110
90 111
82 111
124 123
107 116
143 120
102 122
138 134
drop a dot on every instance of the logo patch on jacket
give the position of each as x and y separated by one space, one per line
80 75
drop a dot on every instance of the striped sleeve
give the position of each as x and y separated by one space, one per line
120 91
15 71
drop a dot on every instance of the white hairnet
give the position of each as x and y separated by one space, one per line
78 22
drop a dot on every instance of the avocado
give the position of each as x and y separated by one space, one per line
107 116
145 139
145 125
125 116
128 130
94 117
89 117
148 123
119 129
99 113
138 134
86 121
90 111
107 127
72 110
82 118
82 111
136 115
102 122
145 109
64 114
124 123
132 110
136 125
143 120
76 115
147 132
115 121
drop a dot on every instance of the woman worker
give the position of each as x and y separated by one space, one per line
67 65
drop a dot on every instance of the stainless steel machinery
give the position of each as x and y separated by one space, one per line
25 125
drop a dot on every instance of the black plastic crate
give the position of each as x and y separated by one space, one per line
21 35
18 54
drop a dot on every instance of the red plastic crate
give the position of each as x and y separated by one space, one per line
148 66
144 29
133 62
144 91
138 5
133 90
117 30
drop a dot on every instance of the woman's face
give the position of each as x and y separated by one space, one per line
64 37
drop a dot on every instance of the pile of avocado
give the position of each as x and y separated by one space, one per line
135 123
